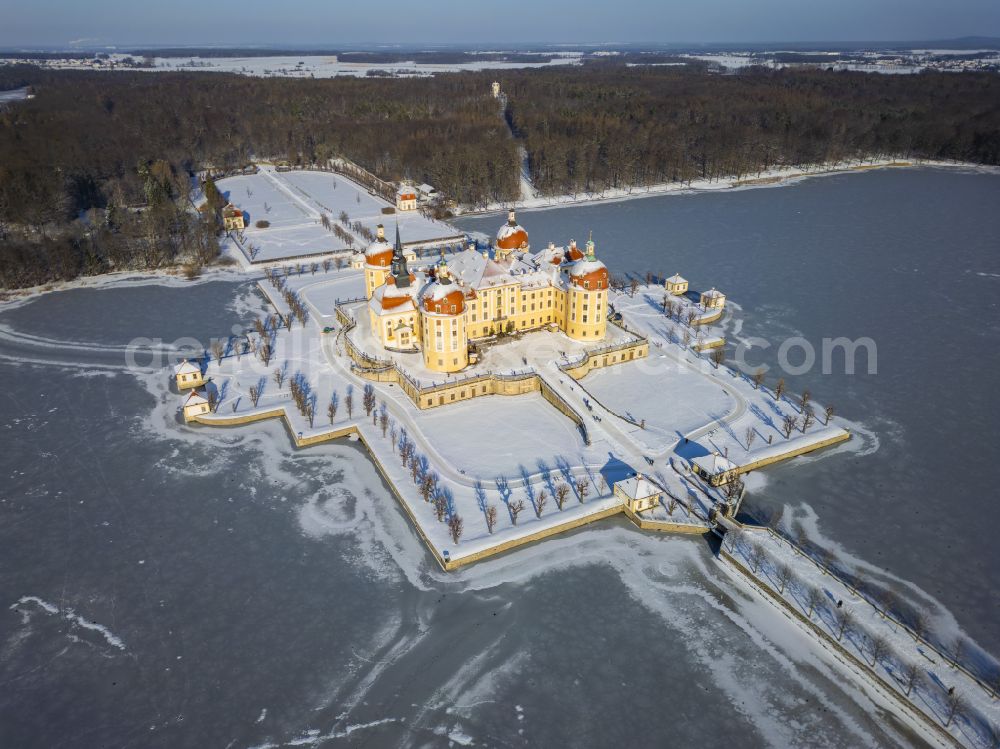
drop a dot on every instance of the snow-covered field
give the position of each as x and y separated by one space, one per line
664 393
317 66
293 203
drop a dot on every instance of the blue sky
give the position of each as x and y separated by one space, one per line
333 22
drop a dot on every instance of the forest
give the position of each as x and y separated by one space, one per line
617 127
96 170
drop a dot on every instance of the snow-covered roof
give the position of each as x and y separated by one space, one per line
195 398
584 267
426 189
713 464
391 298
638 487
677 278
378 247
186 367
712 293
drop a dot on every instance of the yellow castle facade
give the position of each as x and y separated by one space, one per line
439 310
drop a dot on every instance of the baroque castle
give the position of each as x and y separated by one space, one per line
439 310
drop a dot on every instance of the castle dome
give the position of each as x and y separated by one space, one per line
443 296
379 252
512 235
589 272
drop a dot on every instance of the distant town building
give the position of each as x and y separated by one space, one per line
715 469
712 299
188 375
406 198
638 493
232 218
473 296
195 405
676 285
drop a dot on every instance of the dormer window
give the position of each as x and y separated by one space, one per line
586 284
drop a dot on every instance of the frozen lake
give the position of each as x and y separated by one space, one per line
166 587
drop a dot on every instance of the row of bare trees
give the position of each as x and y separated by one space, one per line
842 622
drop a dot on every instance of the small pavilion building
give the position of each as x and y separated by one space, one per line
638 493
406 198
715 469
712 299
188 375
195 405
232 218
676 285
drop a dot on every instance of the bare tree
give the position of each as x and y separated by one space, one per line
692 315
758 378
218 350
829 413
955 707
633 285
515 508
755 556
785 575
750 434
455 527
368 398
213 401
440 507
788 425
540 501
383 420
326 265
562 492
878 647
254 395
349 403
279 377
427 486
491 517
581 489
844 619
265 352
718 356
310 413
919 626
815 599
779 389
911 676
808 417
806 397
959 649
392 435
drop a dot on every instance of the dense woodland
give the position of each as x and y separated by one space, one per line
95 172
619 127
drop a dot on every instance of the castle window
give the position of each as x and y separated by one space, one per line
586 284
453 309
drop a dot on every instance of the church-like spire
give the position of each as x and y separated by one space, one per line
399 270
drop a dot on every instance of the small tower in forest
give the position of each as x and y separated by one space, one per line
495 88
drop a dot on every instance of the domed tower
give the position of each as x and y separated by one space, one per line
445 340
378 259
510 237
587 298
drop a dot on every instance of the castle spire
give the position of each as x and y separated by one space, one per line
399 270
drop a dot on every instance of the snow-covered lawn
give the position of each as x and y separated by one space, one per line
294 203
672 400
499 435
